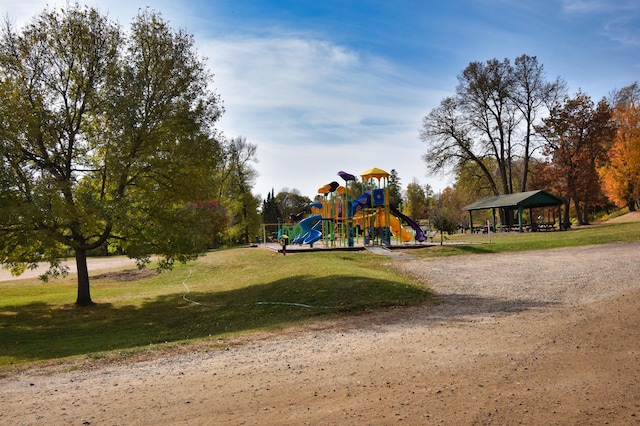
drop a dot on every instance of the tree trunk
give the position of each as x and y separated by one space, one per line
578 208
567 212
84 295
585 214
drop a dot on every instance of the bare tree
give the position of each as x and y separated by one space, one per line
533 95
489 121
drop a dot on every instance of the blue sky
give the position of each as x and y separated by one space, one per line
335 85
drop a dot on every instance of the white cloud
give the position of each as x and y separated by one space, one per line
624 30
314 108
589 6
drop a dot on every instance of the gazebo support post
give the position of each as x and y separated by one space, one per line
520 219
493 220
560 225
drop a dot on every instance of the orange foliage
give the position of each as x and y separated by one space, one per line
620 176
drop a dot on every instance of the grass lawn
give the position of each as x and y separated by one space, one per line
222 294
515 241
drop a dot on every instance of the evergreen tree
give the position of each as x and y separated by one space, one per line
270 213
395 189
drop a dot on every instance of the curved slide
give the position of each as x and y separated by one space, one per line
420 237
398 230
311 229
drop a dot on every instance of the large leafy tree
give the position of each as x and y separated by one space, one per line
578 135
489 122
106 137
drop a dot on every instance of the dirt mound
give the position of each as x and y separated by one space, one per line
629 217
126 275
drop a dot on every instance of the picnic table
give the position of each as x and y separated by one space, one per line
546 226
480 229
514 228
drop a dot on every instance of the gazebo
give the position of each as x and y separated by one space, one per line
519 202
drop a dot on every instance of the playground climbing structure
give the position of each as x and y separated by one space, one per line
337 221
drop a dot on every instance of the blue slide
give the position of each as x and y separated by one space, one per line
311 229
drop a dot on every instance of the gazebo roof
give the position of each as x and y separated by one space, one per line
529 199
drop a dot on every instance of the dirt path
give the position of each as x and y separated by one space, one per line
93 263
543 337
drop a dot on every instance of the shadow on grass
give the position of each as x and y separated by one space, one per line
38 331
471 249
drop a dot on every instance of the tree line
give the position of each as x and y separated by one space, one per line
508 129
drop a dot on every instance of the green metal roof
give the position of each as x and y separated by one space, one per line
528 199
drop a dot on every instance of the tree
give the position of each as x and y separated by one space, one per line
442 216
395 189
357 187
532 95
236 180
489 120
620 174
290 203
270 213
415 204
107 137
472 181
577 136
625 96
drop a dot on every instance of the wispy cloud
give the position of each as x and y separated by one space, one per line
624 30
285 94
296 82
589 6
619 20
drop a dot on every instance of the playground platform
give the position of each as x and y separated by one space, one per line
306 248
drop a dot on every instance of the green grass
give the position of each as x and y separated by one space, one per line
223 294
514 241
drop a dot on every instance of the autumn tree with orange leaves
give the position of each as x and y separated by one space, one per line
577 137
620 175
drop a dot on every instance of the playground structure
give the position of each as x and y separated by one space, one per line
336 221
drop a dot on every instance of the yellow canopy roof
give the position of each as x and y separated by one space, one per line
374 173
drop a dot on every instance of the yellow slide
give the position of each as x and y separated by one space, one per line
395 225
397 229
